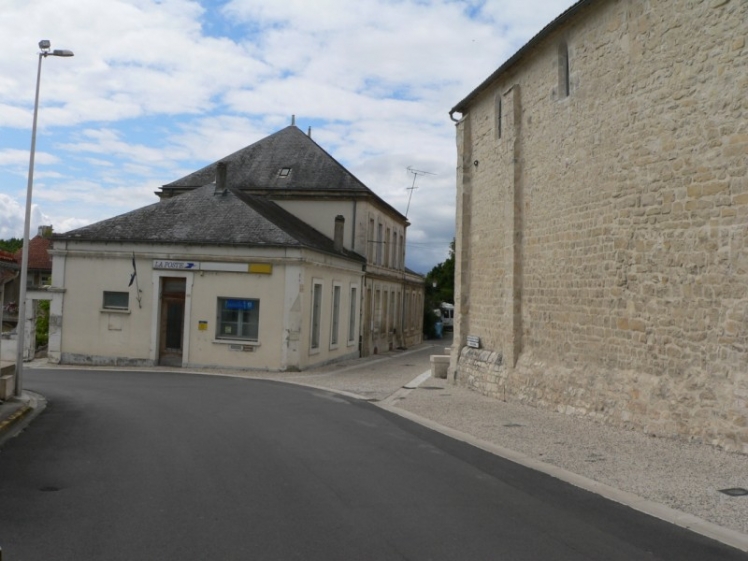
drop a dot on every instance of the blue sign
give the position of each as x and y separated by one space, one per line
238 304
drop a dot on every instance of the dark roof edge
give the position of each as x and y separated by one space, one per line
368 189
350 255
511 61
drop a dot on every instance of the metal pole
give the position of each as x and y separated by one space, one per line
21 326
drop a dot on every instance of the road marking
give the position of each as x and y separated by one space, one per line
403 392
413 384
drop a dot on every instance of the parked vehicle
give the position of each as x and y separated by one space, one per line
448 315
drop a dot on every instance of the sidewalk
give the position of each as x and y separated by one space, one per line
17 412
674 480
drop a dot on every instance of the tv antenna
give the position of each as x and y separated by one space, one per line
416 173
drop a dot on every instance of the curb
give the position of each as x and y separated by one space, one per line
733 538
32 405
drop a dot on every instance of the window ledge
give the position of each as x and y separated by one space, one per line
236 342
114 311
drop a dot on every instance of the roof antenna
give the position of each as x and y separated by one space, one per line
416 173
293 120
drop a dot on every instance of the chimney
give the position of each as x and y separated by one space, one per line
309 132
339 227
221 172
293 120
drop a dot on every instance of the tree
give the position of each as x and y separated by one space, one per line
440 287
12 245
440 281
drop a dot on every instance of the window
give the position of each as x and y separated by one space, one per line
370 242
385 313
316 313
497 108
401 254
238 318
563 71
352 315
284 172
392 311
387 248
379 244
406 311
398 313
377 311
116 300
335 315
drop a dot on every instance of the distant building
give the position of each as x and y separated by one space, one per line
274 258
9 270
39 273
602 220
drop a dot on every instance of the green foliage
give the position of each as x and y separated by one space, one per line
440 287
42 323
443 275
12 245
429 323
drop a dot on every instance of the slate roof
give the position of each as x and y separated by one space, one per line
203 217
258 166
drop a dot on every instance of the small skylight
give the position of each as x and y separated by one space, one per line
284 172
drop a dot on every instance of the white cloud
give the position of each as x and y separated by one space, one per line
159 88
107 141
13 157
12 218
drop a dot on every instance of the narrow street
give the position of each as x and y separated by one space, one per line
164 465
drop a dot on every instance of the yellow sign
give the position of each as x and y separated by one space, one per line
202 326
260 268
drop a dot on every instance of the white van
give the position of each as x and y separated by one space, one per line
448 315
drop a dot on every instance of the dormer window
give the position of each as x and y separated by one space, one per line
284 172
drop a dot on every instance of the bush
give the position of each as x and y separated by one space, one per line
429 323
42 323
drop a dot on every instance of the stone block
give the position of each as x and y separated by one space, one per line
7 386
439 366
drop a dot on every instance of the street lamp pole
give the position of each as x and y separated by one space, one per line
44 52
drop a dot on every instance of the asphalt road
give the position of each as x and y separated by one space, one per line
170 466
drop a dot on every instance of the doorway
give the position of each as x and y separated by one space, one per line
171 331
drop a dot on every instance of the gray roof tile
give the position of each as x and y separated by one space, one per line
203 216
258 167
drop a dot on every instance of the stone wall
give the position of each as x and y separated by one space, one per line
601 236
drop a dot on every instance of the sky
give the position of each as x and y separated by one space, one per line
160 88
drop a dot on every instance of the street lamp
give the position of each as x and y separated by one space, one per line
44 52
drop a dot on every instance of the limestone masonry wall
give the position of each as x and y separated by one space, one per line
602 252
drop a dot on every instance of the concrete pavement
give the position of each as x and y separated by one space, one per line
681 482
